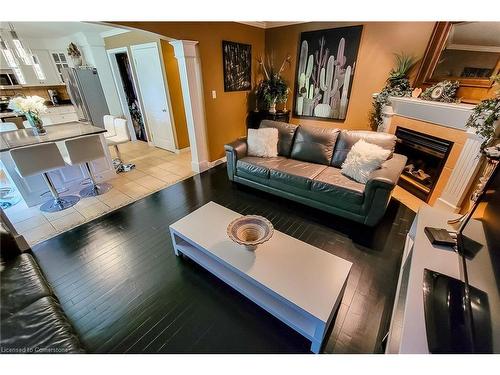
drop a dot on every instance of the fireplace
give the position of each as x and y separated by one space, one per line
426 158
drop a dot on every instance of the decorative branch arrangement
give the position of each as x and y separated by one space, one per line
273 89
73 51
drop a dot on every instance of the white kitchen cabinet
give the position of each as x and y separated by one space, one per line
45 61
48 68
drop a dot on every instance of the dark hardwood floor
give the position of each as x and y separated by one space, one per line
125 291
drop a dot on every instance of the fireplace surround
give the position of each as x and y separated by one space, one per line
445 121
427 156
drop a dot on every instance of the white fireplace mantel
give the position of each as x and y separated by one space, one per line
450 115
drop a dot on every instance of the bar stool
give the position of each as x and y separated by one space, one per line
43 158
83 150
117 134
8 194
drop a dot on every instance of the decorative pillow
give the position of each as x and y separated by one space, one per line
348 138
286 132
262 142
363 159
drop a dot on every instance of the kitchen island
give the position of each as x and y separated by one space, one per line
68 178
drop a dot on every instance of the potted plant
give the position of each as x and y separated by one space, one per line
273 89
398 84
31 107
75 54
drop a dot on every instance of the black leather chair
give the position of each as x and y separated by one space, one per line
31 317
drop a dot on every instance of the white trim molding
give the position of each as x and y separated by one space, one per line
463 174
446 114
188 58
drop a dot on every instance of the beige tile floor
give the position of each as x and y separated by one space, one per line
155 170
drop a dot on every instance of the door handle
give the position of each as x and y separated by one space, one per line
164 110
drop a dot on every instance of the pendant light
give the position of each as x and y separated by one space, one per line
11 61
20 49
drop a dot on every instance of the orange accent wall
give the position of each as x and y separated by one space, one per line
175 91
225 115
379 41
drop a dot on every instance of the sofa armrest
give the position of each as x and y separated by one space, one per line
238 147
234 151
388 174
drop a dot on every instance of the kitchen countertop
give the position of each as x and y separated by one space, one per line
49 107
8 114
55 133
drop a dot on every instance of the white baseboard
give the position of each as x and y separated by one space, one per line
182 150
217 162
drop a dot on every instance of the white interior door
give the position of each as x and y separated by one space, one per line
155 101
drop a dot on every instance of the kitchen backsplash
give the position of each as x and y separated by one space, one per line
39 91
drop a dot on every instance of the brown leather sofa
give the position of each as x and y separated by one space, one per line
31 318
307 170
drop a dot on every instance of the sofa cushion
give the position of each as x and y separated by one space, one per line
314 144
348 138
257 166
22 283
334 187
286 132
294 173
40 327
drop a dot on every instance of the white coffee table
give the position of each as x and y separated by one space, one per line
298 283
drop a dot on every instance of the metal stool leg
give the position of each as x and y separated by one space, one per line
94 189
57 203
118 163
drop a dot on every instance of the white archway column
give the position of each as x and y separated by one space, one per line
187 55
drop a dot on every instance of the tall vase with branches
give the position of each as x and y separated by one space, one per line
273 89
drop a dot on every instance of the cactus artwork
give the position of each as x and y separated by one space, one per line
326 64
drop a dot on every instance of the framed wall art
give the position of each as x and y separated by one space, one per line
237 62
325 69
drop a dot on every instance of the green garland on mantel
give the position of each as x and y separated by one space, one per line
485 114
483 118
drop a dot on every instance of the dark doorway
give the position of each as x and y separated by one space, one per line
131 95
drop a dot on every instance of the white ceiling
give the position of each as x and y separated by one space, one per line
54 29
269 24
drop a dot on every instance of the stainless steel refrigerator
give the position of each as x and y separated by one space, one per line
85 92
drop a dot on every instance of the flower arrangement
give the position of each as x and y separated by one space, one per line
273 89
485 114
398 84
31 107
73 51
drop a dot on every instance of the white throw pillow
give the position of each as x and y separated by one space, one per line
262 142
363 159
